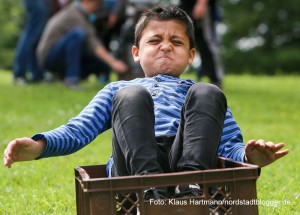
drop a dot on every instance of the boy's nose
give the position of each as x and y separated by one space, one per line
166 46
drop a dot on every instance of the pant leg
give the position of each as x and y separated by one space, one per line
210 35
197 140
39 20
66 55
133 141
207 60
37 13
91 64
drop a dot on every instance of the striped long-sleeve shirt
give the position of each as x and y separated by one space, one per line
168 94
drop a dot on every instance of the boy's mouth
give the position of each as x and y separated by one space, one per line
164 56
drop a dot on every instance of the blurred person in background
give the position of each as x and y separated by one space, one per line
108 21
70 48
37 14
205 14
57 5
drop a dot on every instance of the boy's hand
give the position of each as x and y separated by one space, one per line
22 149
263 153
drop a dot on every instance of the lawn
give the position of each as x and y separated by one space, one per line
264 107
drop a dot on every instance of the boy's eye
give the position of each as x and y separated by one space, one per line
153 41
177 42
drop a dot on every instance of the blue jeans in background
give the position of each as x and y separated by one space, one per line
70 58
37 14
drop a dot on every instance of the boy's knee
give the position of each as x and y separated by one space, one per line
132 95
206 90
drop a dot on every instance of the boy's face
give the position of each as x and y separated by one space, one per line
164 48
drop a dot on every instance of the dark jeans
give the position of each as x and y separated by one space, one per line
136 150
70 58
37 14
208 67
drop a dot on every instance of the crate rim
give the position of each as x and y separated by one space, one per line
234 174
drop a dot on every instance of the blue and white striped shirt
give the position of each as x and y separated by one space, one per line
168 94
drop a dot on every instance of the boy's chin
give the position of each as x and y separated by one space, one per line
163 72
171 73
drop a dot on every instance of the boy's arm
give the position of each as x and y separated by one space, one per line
263 153
81 130
257 152
66 139
232 145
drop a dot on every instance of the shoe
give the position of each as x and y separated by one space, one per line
49 78
155 193
72 85
103 79
191 190
20 81
35 81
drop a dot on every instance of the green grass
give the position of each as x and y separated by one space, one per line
264 107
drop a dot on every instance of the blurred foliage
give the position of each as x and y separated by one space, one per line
11 22
259 36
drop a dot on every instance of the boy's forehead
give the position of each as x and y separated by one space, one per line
160 27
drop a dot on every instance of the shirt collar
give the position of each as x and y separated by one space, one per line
167 78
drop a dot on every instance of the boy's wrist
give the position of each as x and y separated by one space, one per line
40 147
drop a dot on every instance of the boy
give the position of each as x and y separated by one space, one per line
160 123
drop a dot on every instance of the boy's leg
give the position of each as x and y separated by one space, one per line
134 145
196 144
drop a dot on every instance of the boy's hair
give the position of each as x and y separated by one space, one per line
164 13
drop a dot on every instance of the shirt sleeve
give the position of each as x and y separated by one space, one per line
94 119
231 145
92 39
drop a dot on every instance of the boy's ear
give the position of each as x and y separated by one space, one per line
192 55
135 54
